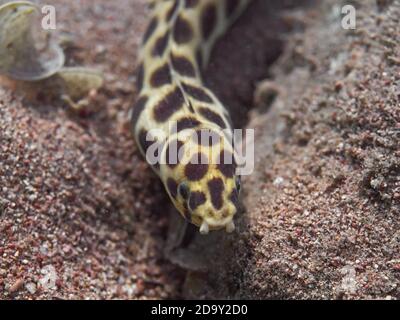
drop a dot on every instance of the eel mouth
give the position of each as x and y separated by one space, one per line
205 226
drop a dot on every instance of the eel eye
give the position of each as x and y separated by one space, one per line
238 184
183 190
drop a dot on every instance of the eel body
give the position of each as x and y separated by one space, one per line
180 126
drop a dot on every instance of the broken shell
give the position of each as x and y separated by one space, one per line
20 55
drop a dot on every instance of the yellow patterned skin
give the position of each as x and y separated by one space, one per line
176 46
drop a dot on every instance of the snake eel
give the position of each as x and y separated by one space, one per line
173 103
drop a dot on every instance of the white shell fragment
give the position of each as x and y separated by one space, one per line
23 56
79 81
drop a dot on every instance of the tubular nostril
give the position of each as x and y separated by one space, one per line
230 227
